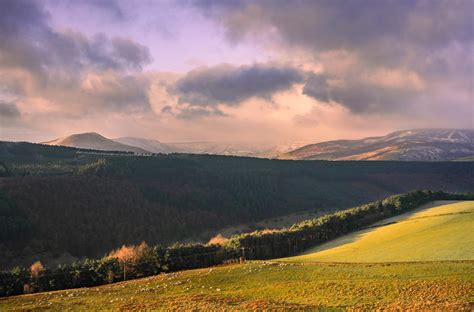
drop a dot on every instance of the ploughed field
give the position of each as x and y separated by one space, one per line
422 260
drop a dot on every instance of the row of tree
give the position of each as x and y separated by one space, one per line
142 260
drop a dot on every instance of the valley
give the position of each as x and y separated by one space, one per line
67 203
442 279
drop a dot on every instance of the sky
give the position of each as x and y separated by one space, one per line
234 71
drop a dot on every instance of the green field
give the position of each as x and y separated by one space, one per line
272 285
435 232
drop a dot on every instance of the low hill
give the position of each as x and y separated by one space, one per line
95 141
439 231
414 145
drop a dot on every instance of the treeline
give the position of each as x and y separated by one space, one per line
62 202
131 262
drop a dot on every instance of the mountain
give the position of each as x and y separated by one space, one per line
92 140
96 141
153 146
257 149
415 145
220 148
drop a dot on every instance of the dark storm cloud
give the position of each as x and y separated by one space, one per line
227 84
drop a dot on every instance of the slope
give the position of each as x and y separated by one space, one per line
92 140
418 144
153 146
441 231
262 286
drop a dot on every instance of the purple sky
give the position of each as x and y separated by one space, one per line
269 71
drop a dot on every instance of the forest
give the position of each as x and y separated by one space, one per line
69 204
141 260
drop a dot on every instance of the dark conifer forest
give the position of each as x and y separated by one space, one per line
57 201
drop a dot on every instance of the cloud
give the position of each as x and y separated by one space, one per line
372 91
191 113
29 43
9 113
9 110
79 73
393 53
230 85
331 25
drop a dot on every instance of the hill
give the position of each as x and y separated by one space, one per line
62 202
95 141
258 285
152 146
437 232
414 145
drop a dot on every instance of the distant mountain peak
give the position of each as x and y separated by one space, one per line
94 140
412 144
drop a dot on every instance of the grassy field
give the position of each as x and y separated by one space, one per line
437 232
273 285
443 231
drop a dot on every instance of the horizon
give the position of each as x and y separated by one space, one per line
309 142
190 71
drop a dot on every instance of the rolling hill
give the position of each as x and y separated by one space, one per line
439 278
440 231
413 145
95 141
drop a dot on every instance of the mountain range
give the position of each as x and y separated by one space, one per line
408 145
92 140
412 145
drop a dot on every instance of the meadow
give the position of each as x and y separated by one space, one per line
435 232
275 285
305 283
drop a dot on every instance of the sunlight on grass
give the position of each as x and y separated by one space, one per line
442 232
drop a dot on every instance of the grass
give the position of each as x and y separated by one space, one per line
303 283
273 285
432 233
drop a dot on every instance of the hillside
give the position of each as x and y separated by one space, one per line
423 286
152 146
62 202
95 141
413 145
439 231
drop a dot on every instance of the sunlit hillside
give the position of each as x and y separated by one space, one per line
439 231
